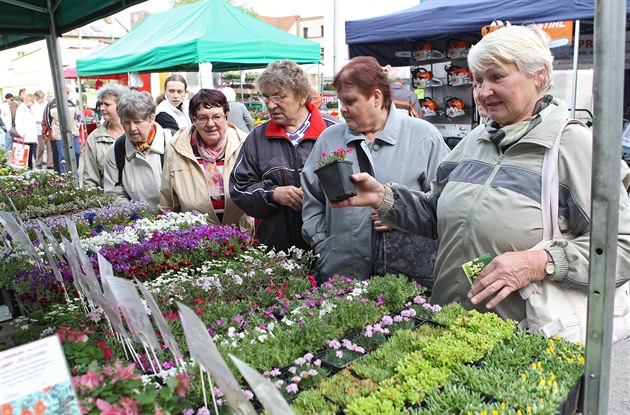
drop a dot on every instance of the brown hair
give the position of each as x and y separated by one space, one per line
207 98
177 78
367 75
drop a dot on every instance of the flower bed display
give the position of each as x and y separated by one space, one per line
364 347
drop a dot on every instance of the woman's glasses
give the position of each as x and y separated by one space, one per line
204 119
274 98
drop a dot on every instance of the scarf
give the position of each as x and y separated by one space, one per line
209 157
506 136
297 136
143 147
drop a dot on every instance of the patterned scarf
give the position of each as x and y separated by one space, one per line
209 157
143 147
506 136
297 136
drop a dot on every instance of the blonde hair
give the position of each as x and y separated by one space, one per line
525 46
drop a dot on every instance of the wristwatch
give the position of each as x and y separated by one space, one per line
550 266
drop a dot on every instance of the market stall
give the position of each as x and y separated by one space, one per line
210 31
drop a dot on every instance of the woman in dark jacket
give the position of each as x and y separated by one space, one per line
265 182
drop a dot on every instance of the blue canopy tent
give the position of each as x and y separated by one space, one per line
388 37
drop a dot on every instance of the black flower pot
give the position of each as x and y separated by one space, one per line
335 180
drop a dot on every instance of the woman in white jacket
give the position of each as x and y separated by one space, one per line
26 126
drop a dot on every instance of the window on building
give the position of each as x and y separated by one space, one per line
322 30
305 32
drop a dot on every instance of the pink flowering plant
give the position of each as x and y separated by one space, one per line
337 155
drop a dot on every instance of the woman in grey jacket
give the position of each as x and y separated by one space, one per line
393 147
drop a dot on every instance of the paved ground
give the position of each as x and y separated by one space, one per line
619 398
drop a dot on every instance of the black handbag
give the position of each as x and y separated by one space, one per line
410 254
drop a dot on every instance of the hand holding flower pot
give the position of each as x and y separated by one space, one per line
334 175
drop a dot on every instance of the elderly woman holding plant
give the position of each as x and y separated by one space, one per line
134 172
391 147
487 196
199 161
265 182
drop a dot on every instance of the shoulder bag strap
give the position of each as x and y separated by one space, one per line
550 185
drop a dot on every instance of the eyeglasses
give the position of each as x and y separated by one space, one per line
274 98
215 119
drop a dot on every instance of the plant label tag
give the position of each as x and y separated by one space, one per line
473 268
34 378
133 311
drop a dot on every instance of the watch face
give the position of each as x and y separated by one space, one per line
550 268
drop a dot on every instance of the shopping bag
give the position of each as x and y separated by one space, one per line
19 155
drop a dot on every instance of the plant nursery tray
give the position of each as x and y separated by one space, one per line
570 405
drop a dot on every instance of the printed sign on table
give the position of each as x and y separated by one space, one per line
34 378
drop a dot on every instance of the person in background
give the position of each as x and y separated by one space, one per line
239 114
136 173
404 99
42 145
391 147
486 198
26 126
198 163
50 95
52 132
317 100
172 113
102 138
265 182
7 118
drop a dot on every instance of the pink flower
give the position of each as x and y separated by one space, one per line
183 386
124 372
130 406
108 408
88 382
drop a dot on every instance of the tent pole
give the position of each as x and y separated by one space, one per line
609 54
576 48
54 54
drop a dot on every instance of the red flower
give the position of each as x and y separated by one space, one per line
199 311
40 408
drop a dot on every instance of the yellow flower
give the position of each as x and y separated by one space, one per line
523 376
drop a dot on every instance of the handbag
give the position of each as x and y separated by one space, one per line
551 309
20 153
406 253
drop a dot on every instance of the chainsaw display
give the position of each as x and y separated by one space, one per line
439 69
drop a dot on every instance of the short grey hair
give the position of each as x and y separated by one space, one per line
285 74
393 74
525 46
114 91
135 104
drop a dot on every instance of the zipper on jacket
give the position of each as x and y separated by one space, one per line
480 194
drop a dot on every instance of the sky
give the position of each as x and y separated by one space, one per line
345 10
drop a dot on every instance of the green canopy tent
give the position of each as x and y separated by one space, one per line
210 31
26 21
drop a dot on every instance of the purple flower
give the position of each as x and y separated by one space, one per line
292 388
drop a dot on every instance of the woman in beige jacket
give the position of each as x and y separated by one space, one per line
198 163
102 138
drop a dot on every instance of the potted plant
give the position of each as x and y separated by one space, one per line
334 175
